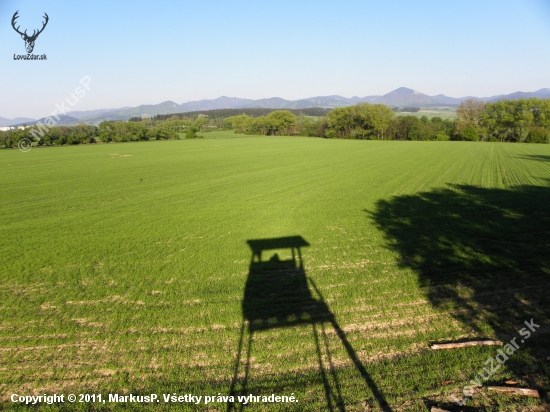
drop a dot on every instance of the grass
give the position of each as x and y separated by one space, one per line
123 270
431 112
222 134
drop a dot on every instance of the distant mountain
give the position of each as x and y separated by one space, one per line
328 101
271 103
453 101
368 99
401 97
407 97
18 120
541 94
166 107
92 113
222 102
493 98
64 120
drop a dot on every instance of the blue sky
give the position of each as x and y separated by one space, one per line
139 52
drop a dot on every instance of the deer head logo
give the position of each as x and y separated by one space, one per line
29 40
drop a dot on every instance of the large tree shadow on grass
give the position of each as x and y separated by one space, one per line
540 158
482 252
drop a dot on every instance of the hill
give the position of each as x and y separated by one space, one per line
401 97
16 121
64 120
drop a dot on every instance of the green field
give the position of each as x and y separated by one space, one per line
125 268
431 112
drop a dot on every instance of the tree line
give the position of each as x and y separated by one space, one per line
252 112
107 131
57 135
523 120
362 121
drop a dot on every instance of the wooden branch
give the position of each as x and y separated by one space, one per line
436 409
516 391
465 344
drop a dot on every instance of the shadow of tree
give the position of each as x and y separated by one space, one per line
485 250
540 158
482 253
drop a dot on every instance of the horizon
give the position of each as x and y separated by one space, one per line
271 97
137 54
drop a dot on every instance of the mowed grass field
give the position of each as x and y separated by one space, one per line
123 270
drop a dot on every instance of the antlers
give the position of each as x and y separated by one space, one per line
43 25
15 16
34 33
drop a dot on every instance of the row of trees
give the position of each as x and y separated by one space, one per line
366 121
118 131
58 135
522 120
278 123
252 112
414 128
135 131
363 121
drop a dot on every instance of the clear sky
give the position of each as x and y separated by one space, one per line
145 52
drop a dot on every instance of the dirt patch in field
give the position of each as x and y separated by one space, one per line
112 299
47 306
